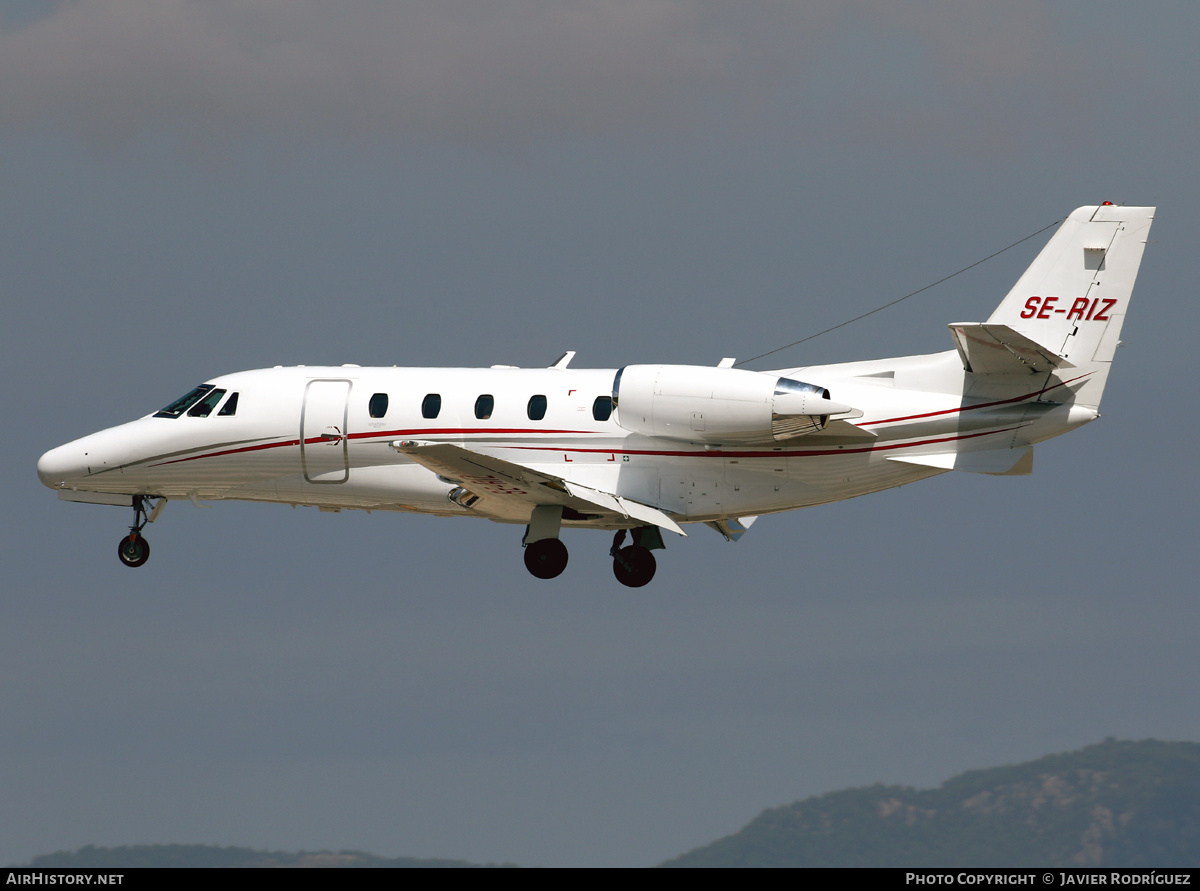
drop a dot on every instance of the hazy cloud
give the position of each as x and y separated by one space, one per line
464 69
515 69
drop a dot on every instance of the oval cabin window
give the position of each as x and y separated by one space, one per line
536 408
602 408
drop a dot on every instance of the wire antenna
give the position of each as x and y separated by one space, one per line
898 299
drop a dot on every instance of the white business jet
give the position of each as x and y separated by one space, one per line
639 449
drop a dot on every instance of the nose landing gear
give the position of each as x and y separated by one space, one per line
133 549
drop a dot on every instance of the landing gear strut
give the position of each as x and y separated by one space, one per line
545 555
634 565
133 549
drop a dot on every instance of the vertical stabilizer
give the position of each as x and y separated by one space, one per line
1073 298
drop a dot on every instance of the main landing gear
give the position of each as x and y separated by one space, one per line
546 556
546 559
133 549
634 565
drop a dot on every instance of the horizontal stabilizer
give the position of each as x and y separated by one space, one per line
998 462
997 349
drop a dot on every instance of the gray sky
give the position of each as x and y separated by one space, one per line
190 188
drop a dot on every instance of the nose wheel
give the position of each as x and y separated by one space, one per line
133 549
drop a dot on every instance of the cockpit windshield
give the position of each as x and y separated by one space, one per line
204 407
183 403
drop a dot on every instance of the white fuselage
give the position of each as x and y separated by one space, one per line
307 436
645 447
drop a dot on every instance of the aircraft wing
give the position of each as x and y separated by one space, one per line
491 477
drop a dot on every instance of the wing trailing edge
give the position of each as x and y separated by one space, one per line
495 478
624 506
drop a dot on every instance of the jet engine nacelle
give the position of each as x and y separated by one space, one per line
699 403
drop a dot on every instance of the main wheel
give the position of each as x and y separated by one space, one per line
634 566
133 550
546 558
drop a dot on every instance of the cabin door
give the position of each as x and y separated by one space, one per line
323 440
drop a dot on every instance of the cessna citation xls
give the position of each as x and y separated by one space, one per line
643 448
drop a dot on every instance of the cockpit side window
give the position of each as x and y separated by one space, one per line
204 407
229 409
183 403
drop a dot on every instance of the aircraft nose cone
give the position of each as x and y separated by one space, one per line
61 464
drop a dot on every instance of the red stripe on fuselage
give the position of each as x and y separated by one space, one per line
238 451
386 434
812 453
444 431
962 408
524 431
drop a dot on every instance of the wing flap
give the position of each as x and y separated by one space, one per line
634 509
492 477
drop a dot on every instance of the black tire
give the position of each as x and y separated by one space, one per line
546 559
133 550
634 566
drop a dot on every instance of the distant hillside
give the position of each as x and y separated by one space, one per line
1109 805
190 856
1113 804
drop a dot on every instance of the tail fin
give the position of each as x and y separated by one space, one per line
1072 300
